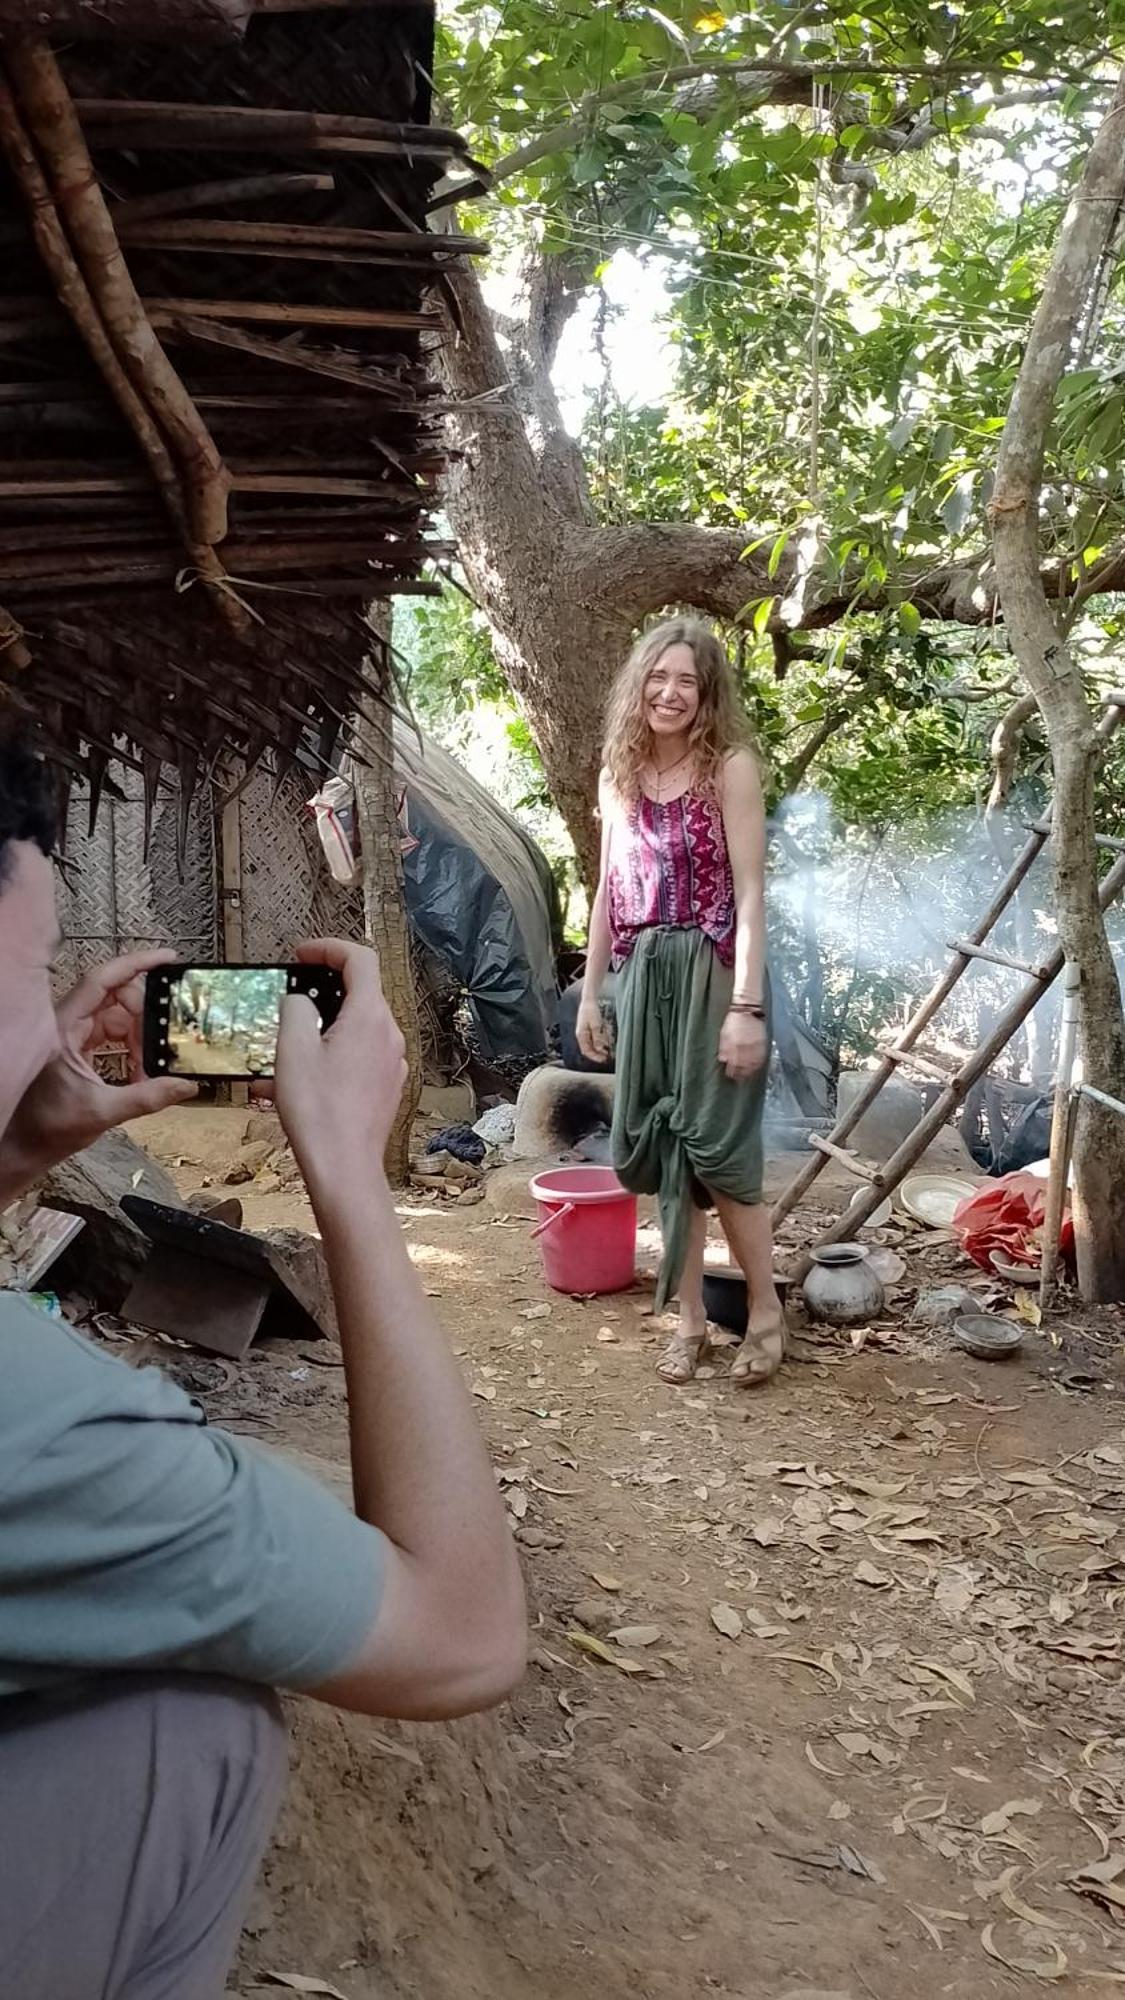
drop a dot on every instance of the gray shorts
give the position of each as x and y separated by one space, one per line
133 1816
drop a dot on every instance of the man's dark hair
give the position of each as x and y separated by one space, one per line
27 804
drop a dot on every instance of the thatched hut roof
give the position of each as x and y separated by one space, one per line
219 438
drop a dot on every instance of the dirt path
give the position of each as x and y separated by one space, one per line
885 1784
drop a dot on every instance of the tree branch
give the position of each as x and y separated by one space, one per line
1004 749
1055 677
657 564
757 81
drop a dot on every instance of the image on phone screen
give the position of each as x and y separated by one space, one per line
223 1020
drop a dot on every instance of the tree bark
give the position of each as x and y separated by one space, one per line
1055 678
563 595
384 911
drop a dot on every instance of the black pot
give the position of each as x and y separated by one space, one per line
724 1299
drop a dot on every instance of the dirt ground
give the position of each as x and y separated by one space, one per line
863 1731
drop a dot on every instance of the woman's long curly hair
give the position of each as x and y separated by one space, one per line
719 727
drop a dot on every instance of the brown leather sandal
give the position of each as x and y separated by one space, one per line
760 1356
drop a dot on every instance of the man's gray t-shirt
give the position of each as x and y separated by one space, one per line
133 1536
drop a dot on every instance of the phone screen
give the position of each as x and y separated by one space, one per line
223 1020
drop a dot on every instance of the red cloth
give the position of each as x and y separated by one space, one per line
1007 1215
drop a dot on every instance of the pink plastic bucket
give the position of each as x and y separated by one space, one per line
587 1229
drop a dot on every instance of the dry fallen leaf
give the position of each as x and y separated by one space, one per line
876 1579
931 1929
767 1531
636 1635
997 1822
1036 1967
824 1665
300 1982
726 1620
1026 1307
1099 1881
536 1312
761 1627
606 1582
953 1675
600 1651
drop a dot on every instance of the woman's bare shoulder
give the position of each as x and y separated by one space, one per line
740 773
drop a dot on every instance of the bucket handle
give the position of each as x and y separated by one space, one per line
566 1209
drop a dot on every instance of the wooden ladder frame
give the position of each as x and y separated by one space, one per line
971 1064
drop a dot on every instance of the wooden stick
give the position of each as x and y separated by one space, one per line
216 194
40 86
848 1160
928 1127
314 361
267 313
910 1059
995 957
281 235
1063 1122
224 124
15 657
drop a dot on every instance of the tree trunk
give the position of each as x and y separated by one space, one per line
384 914
1056 680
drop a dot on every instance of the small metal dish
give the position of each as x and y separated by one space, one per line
987 1336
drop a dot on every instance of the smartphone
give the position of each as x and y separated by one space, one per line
222 1020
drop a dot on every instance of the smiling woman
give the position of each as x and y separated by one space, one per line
680 915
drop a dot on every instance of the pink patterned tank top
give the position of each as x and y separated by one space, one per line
669 865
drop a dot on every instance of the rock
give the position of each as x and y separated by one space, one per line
217 1207
597 1614
264 1127
448 1104
432 1166
106 1257
267 1183
537 1538
892 1118
461 1171
942 1305
299 1258
557 1108
469 1197
237 1175
257 1153
498 1126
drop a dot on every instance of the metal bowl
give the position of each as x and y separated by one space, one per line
987 1336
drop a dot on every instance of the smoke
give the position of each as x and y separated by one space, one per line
861 923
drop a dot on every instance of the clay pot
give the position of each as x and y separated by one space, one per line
841 1288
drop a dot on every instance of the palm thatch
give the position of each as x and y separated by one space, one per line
219 439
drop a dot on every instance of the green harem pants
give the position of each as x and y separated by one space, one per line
681 1128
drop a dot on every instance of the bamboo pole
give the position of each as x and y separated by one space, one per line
1063 1121
928 1127
217 194
283 235
41 89
270 313
226 124
77 300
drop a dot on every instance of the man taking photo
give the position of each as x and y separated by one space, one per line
158 1579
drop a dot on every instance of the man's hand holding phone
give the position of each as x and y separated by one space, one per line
338 1093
